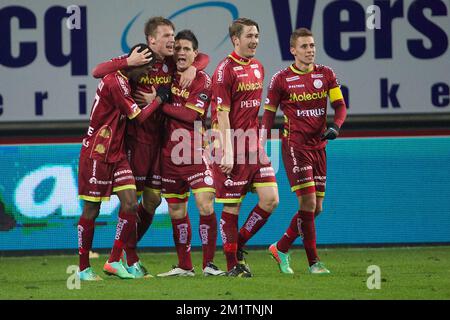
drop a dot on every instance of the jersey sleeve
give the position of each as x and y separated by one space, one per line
221 87
273 94
121 95
201 61
334 88
113 65
200 95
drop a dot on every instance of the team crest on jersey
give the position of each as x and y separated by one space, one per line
203 96
165 68
318 83
208 180
257 73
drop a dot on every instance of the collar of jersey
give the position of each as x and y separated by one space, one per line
297 71
120 72
239 59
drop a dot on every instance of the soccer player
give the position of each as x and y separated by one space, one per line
144 142
104 168
302 90
183 164
236 97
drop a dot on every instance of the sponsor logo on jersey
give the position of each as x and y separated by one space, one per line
250 103
290 79
293 97
316 75
254 66
124 86
311 112
293 86
231 183
155 80
180 92
238 68
203 96
250 86
242 75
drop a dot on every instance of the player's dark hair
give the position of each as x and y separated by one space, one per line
300 32
189 36
142 47
153 23
237 26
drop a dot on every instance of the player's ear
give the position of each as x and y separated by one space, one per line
235 40
195 53
292 49
151 40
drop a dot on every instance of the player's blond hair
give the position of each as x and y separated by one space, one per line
300 32
153 23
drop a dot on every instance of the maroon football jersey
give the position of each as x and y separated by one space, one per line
160 75
237 85
113 104
195 97
303 99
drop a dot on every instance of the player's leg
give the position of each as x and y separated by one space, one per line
182 235
86 227
207 230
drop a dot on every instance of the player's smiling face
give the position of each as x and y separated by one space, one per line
184 54
304 51
246 44
163 41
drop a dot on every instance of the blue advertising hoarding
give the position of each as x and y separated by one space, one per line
379 191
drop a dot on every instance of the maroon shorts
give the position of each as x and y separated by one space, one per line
243 178
306 170
145 164
97 180
178 179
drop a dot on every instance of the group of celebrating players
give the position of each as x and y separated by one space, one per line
149 111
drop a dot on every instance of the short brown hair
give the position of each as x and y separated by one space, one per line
301 32
153 23
237 26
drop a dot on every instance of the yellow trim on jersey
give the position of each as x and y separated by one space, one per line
320 194
93 199
135 114
175 195
195 108
270 108
335 94
295 70
303 185
243 63
119 72
264 184
157 191
222 107
228 200
125 187
200 190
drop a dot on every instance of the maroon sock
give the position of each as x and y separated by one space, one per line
229 233
256 219
144 222
182 235
130 249
85 236
125 227
208 235
289 236
307 231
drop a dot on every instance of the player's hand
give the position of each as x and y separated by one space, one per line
163 93
331 133
187 76
139 58
144 98
226 164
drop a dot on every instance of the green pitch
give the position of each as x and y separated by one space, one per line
406 273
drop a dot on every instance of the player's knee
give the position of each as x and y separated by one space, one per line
206 208
269 204
151 201
308 204
90 211
129 206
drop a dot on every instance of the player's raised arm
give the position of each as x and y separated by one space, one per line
135 59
